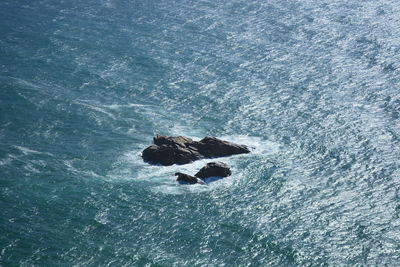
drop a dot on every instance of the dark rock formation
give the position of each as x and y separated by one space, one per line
169 150
182 177
211 147
214 169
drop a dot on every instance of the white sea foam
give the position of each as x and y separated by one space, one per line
31 168
120 106
6 161
257 145
96 108
26 83
27 151
102 216
71 168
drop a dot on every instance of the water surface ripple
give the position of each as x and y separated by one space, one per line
312 85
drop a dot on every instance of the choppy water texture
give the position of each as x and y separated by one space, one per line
313 85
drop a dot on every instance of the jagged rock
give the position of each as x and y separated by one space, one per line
182 177
171 140
211 147
214 169
169 150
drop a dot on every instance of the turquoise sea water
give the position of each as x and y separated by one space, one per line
312 85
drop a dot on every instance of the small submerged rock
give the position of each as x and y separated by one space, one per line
169 150
186 178
212 169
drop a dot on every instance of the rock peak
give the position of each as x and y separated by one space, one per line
169 150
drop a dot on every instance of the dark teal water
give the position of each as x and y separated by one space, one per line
312 85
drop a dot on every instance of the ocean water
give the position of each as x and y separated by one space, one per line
313 86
